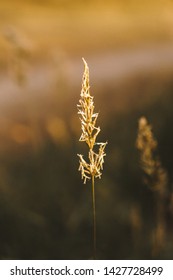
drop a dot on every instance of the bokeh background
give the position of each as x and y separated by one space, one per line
45 209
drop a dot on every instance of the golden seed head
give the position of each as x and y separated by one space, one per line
90 131
151 165
147 145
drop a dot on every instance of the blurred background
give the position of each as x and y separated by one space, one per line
45 209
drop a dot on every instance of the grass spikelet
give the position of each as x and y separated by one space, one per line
90 132
93 168
150 163
156 179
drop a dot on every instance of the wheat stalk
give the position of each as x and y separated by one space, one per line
93 168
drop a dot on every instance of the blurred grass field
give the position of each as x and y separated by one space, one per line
88 26
45 210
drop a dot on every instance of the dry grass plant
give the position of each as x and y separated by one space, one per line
155 178
93 168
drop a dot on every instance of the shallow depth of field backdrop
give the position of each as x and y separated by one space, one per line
45 210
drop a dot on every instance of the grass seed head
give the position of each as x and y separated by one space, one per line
150 164
90 132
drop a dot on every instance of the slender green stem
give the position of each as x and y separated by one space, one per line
94 218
